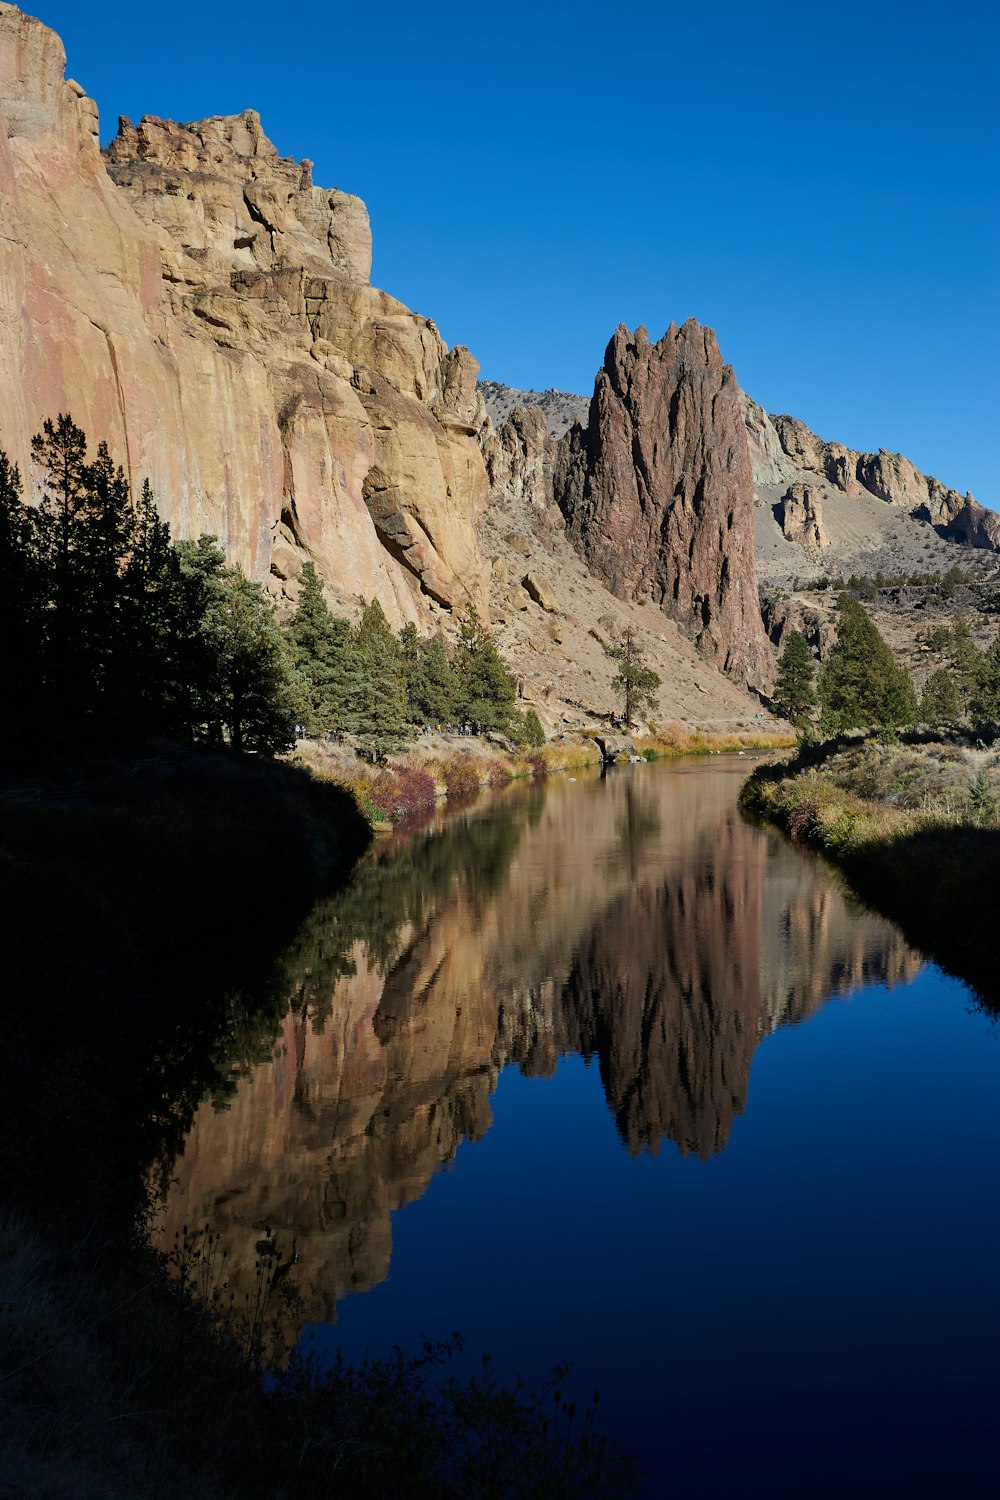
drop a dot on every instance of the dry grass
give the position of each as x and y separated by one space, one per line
408 787
675 739
571 756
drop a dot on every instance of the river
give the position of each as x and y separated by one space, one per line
601 1072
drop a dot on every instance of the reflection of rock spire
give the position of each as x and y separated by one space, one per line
667 992
643 922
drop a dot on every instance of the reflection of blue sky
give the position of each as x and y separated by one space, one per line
818 1300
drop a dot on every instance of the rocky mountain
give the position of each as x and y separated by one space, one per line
658 496
820 509
823 508
198 302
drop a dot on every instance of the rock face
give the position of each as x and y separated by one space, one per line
888 476
536 586
518 462
658 496
799 513
201 305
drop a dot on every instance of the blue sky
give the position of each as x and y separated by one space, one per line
818 182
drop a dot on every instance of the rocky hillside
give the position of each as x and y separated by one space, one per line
560 408
823 509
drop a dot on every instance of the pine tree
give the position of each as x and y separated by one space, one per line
941 702
861 685
794 694
486 690
376 709
431 686
966 658
323 655
253 687
984 699
634 680
22 599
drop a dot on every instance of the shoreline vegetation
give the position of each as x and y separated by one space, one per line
913 824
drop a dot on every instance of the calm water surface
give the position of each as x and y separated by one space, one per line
603 1073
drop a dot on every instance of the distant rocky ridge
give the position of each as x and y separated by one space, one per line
820 507
560 408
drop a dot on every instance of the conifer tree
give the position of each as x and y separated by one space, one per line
322 653
22 598
984 700
486 690
254 697
635 680
940 702
794 695
966 658
376 710
431 686
861 685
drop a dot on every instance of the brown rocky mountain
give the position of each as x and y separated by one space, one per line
867 512
821 509
658 495
196 300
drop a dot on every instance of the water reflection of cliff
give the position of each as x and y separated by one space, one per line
637 920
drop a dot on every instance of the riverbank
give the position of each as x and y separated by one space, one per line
914 829
439 768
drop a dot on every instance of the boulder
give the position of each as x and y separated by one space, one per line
540 592
799 513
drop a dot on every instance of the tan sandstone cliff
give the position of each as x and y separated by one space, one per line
200 304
